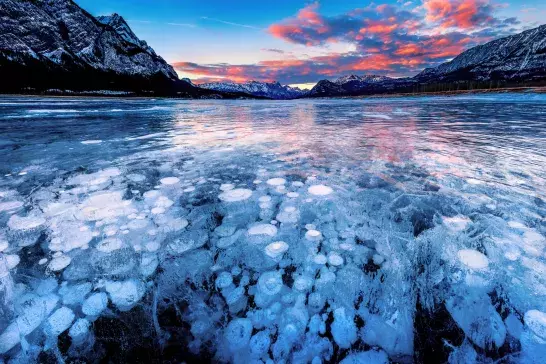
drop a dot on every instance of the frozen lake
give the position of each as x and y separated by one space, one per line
310 231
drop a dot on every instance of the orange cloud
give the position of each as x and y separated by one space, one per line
307 21
463 14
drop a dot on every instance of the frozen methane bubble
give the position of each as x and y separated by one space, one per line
227 187
169 181
235 195
59 263
135 177
262 229
238 333
276 181
276 249
10 205
320 259
78 332
224 280
335 259
12 260
125 294
313 235
259 343
536 321
270 283
343 328
36 310
473 259
59 321
320 190
25 223
366 357
95 304
479 320
109 245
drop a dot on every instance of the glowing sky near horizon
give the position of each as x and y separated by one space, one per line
300 42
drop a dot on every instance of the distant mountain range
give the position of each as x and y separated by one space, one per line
55 44
517 60
272 90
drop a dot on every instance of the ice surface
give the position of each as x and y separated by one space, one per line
252 242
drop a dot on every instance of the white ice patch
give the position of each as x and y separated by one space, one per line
109 245
276 181
456 223
95 304
320 190
168 181
313 235
59 321
473 259
125 294
25 223
227 187
10 206
536 321
263 229
235 195
335 259
59 263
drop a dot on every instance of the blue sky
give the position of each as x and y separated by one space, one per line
301 42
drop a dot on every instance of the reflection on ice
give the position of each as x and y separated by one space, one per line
258 240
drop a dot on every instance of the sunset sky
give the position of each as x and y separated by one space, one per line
301 42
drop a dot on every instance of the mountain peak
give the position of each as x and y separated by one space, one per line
355 78
272 90
59 35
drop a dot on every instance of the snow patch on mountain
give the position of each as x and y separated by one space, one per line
272 90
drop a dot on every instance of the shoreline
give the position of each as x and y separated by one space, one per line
530 89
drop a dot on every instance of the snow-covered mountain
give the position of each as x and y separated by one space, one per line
518 57
272 90
359 85
55 44
360 79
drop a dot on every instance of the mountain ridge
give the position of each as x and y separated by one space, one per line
55 44
272 90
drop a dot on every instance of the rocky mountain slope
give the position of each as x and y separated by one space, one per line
354 85
55 44
272 90
518 57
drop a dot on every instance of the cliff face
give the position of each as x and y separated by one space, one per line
56 44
